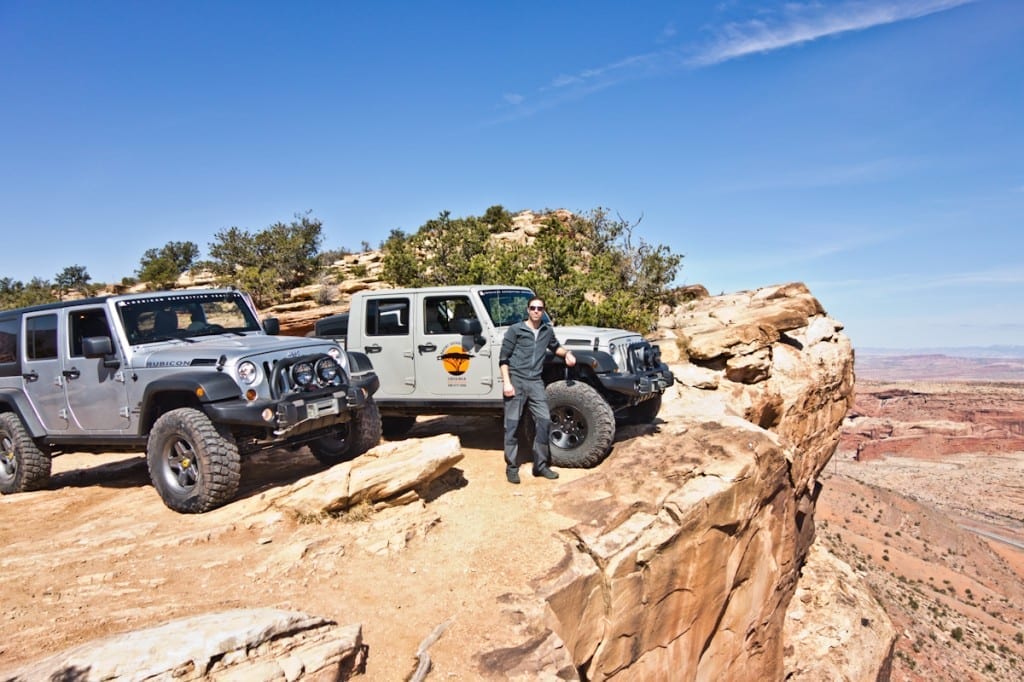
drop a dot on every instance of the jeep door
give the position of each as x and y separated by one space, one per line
42 379
97 397
387 340
450 365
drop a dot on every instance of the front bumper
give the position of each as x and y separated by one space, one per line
638 385
293 416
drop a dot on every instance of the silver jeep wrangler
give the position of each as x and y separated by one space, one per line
191 377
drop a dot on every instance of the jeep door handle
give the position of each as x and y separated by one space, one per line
72 373
372 349
31 376
427 347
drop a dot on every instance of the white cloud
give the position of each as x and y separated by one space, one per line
795 24
803 23
865 172
905 282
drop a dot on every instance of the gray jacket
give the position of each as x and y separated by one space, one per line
524 353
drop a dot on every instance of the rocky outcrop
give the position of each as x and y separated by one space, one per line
243 644
835 628
685 551
389 474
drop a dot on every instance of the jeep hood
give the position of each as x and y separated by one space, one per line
594 337
206 348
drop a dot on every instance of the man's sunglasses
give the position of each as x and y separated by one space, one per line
536 307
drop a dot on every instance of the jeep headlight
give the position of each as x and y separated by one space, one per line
339 355
616 352
302 373
248 373
328 371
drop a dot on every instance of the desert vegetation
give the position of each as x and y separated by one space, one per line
593 267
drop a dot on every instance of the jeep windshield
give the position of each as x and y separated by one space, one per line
185 316
508 306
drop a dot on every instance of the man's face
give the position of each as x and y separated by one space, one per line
535 310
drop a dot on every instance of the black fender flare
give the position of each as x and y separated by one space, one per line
358 362
361 372
590 364
598 361
14 400
203 387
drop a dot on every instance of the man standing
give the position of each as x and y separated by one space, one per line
521 361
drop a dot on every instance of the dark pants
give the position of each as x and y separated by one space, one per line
529 394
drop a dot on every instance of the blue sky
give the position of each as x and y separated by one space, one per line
872 149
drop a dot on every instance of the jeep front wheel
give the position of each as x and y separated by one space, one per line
193 466
350 439
23 466
582 425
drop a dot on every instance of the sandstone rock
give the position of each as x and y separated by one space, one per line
242 644
312 292
835 629
388 472
686 551
741 323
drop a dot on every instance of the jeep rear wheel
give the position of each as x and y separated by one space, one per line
582 425
350 439
23 466
193 466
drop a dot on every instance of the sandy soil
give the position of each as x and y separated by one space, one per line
98 553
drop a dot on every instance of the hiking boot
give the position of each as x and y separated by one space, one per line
512 475
546 473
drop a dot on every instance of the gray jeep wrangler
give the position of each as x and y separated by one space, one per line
191 377
436 352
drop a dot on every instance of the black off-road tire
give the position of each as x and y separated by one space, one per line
394 428
582 425
645 412
194 466
23 466
350 439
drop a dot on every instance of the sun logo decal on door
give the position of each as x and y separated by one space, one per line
455 359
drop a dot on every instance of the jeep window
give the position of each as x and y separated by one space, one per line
506 307
9 339
387 317
87 323
185 316
440 312
41 337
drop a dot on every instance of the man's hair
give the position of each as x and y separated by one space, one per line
536 298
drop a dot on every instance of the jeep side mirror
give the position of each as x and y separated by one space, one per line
100 347
96 346
272 326
468 326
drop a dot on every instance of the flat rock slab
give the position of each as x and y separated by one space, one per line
241 644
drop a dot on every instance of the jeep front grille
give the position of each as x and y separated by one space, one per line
304 375
642 357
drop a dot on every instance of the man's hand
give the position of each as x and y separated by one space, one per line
570 359
508 390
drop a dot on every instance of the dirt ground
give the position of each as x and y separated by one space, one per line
98 553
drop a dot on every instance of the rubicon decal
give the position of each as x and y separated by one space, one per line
455 360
